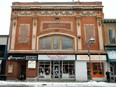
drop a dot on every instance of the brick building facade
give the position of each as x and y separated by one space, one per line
110 45
48 41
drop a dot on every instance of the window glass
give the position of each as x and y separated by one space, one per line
111 36
45 43
69 69
56 43
67 43
2 49
44 69
97 68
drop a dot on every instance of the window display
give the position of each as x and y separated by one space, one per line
44 69
56 69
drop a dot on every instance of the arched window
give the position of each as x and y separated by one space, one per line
56 43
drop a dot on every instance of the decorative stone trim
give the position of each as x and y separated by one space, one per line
58 13
88 13
57 25
25 13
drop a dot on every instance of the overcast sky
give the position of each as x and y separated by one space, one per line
5 8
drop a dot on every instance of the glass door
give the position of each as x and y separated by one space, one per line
56 71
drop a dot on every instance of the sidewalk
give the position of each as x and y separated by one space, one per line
56 84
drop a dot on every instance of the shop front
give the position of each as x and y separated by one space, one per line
56 67
19 65
112 64
97 67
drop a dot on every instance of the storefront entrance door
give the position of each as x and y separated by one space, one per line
56 71
113 72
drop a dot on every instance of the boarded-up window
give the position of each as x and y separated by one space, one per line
24 33
89 30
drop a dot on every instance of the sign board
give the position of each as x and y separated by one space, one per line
111 55
56 57
32 64
16 57
10 68
31 57
93 57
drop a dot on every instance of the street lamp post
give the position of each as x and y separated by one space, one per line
89 42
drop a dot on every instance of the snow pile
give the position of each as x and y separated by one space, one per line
58 84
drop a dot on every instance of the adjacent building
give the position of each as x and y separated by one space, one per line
48 41
3 53
110 45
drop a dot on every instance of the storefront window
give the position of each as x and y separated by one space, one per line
68 69
56 69
97 69
44 69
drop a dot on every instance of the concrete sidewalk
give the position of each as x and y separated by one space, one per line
56 84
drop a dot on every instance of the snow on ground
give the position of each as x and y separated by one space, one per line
57 84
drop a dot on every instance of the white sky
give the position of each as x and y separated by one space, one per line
5 8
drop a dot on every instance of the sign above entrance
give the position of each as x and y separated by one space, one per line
16 58
93 57
56 57
31 57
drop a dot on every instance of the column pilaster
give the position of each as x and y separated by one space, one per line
34 33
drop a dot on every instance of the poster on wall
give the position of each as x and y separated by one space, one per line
10 68
31 64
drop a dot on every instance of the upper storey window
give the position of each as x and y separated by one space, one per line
67 43
89 31
112 36
56 43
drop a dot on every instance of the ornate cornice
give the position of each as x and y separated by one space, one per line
55 7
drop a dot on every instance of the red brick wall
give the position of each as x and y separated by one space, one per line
89 20
31 73
16 70
23 46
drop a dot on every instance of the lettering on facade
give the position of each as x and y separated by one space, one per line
57 56
93 57
31 57
16 58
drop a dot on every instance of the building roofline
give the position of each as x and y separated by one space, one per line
55 5
95 2
4 35
109 20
